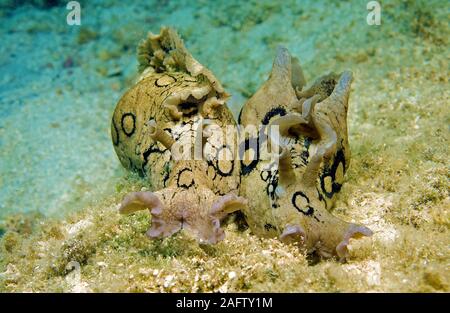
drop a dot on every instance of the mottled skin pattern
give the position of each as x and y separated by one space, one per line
290 195
168 127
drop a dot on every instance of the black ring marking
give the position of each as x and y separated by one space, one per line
310 210
217 167
335 187
129 134
149 151
184 185
266 174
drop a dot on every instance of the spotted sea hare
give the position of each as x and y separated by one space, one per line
291 156
292 185
168 127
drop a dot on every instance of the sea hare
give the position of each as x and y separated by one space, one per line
291 185
282 171
169 127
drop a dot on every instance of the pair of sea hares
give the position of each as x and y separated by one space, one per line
177 101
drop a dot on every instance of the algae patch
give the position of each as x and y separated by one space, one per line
111 253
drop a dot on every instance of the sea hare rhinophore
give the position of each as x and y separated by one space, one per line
291 186
169 127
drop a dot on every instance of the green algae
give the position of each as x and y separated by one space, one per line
115 255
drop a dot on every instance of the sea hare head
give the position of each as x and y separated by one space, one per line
198 211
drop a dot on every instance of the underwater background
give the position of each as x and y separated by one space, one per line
61 182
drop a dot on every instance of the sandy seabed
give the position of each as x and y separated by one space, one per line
61 183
